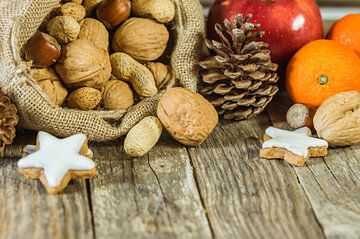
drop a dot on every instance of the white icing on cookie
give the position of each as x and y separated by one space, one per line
29 149
297 142
57 157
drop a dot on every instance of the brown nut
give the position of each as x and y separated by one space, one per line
74 10
337 119
94 31
113 12
143 39
51 84
75 1
124 67
187 116
64 28
161 73
143 137
299 116
90 6
84 64
85 98
117 95
42 49
161 10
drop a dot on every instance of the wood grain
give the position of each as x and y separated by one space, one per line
27 211
247 197
149 197
332 183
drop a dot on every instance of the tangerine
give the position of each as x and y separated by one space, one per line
347 32
321 69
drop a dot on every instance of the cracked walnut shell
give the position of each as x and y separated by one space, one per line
51 84
337 120
187 116
84 64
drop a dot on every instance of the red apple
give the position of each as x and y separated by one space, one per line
289 24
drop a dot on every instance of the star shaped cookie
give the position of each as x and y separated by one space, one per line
56 161
295 147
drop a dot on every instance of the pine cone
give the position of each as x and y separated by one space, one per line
241 79
8 121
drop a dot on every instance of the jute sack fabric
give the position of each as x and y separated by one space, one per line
19 20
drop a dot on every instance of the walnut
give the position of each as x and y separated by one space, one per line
90 6
64 28
187 115
75 1
74 10
143 39
162 73
94 31
117 95
337 119
51 84
84 64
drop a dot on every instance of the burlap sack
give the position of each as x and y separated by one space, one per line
19 19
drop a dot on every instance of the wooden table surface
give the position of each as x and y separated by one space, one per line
218 190
221 189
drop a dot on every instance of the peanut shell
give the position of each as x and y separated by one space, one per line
124 67
143 137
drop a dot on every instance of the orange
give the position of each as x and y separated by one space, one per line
322 69
347 32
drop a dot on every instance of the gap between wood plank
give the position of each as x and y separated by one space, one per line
200 196
88 193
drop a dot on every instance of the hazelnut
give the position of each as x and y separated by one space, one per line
73 10
85 98
64 28
117 95
84 64
113 12
51 84
94 31
42 49
299 116
187 116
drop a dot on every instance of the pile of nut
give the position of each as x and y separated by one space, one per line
78 66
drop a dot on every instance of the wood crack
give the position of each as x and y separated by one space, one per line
162 193
88 193
200 195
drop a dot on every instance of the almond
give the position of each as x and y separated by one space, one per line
85 98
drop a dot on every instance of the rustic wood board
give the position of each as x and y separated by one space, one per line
248 197
332 183
218 190
27 211
154 196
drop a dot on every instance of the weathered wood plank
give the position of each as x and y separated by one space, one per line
27 211
150 197
332 183
247 197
